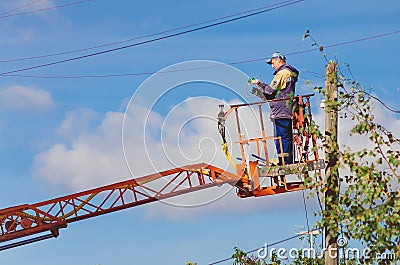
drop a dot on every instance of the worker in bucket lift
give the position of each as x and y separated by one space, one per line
282 86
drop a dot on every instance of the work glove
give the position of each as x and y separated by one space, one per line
253 81
256 91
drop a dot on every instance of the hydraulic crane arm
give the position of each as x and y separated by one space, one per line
49 216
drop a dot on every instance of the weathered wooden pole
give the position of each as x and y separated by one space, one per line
331 157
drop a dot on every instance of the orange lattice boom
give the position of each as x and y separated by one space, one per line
50 216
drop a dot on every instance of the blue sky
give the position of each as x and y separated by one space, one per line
46 123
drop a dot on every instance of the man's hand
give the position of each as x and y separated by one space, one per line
256 91
253 81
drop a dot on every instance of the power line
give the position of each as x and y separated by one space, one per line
44 9
131 74
140 37
19 7
315 74
388 107
363 39
151 40
359 90
190 69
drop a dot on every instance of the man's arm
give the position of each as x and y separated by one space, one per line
277 84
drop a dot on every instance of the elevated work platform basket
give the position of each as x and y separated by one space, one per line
255 161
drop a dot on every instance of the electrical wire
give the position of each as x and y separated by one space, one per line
315 74
44 9
363 39
140 37
19 7
388 107
151 40
129 74
189 69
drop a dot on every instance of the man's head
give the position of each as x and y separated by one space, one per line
277 60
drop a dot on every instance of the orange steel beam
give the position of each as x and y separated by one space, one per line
51 215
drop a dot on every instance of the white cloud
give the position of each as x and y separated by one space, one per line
24 98
90 159
76 123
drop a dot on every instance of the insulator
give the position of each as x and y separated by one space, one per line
221 114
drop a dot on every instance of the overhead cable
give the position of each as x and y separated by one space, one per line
191 69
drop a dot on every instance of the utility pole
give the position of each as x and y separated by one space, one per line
331 157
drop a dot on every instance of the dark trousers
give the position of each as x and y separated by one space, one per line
283 128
